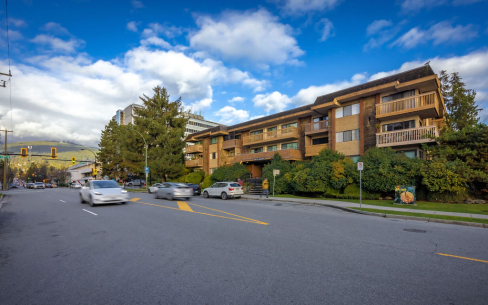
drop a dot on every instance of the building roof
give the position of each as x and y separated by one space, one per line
400 77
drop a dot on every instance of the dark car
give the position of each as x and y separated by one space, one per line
197 190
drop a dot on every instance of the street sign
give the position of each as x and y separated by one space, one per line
360 166
276 172
29 147
146 169
4 157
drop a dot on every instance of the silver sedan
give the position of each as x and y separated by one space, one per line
170 191
152 189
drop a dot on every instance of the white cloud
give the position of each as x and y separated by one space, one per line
137 4
378 25
272 102
325 27
256 117
166 30
300 7
257 36
156 41
132 26
236 99
16 22
230 115
199 105
442 32
55 28
57 44
415 6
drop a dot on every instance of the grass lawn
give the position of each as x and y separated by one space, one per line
456 218
141 190
421 205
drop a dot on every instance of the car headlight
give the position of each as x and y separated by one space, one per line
97 193
124 191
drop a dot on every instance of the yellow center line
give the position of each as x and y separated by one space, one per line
183 206
134 199
239 219
225 212
462 257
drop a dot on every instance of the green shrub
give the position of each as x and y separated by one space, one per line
230 173
207 182
352 189
331 192
440 176
282 182
195 177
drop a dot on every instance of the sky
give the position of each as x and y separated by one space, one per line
76 62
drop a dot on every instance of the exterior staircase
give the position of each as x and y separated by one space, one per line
257 186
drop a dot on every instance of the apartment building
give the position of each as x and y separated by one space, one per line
401 111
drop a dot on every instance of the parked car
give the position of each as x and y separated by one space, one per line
152 189
171 190
54 185
48 185
29 185
14 186
75 185
224 190
103 192
38 185
136 182
197 190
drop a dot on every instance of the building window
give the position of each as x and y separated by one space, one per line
289 125
272 147
256 150
213 156
398 96
322 118
232 153
238 136
293 145
213 140
272 128
347 110
354 159
409 153
319 141
346 136
398 126
256 132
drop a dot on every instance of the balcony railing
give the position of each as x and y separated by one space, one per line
280 134
314 150
191 149
423 103
287 154
228 160
231 144
194 163
317 127
407 136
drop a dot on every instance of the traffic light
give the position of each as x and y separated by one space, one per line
53 152
73 160
23 152
32 175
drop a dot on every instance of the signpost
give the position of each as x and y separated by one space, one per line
360 169
146 170
276 172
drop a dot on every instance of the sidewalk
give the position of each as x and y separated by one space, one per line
342 204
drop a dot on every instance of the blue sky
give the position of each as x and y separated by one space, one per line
76 62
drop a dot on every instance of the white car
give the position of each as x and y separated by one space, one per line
38 185
103 192
154 188
224 190
75 185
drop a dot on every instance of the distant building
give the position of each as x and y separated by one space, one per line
81 172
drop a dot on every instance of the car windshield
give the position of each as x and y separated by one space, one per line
38 183
109 184
235 185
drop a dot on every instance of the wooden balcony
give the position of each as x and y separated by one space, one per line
272 136
287 154
316 127
314 150
194 163
407 136
228 160
231 144
191 149
424 105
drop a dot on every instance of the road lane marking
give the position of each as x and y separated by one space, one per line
90 212
462 257
223 212
62 200
184 206
134 199
239 219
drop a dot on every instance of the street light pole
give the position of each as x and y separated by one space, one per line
95 160
145 146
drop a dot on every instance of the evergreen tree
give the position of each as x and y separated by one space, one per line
163 128
462 110
110 154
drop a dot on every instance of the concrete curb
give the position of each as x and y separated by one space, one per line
454 222
1 201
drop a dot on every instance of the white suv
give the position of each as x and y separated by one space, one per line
224 190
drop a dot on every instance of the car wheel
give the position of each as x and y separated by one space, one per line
169 197
205 195
156 195
224 196
122 202
91 202
81 199
149 191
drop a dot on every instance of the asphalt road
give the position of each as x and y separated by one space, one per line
53 250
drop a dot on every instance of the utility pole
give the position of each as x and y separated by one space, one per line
5 167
